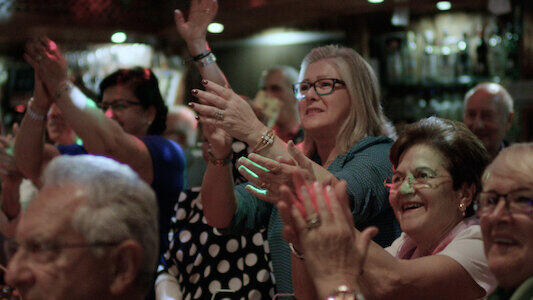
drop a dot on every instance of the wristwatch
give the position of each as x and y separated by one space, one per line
209 59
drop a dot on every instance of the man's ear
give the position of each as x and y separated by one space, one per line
465 194
126 259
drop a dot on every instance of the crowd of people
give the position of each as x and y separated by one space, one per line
323 201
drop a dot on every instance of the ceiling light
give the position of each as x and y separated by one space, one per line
118 37
375 1
444 5
215 28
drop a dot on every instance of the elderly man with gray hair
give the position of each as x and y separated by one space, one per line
488 113
90 233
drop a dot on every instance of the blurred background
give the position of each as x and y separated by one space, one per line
426 53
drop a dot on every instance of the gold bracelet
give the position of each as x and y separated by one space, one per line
267 139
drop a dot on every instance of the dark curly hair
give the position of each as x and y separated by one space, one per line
145 87
464 154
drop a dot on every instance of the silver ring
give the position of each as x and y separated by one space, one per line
313 221
219 115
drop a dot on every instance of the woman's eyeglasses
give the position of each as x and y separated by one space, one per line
324 86
419 179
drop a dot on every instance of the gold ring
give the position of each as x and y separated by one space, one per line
313 221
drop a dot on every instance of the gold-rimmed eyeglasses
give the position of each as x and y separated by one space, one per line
420 178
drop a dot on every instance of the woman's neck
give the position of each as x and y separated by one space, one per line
326 150
428 243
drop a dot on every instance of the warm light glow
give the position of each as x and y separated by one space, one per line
118 37
444 5
215 28
291 37
375 1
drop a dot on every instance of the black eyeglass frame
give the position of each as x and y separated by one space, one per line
313 84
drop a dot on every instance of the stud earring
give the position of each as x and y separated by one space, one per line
462 209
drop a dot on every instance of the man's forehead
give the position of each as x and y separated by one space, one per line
51 210
483 99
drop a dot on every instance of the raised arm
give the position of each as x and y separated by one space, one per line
194 30
100 134
31 153
337 254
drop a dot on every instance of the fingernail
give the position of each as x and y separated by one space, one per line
204 82
197 117
194 92
190 104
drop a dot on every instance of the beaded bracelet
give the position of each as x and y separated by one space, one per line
33 114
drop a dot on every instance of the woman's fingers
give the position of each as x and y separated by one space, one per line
262 194
223 92
207 110
179 20
208 98
321 203
298 155
271 165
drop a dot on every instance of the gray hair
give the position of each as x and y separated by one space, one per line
289 73
366 116
498 93
515 162
118 205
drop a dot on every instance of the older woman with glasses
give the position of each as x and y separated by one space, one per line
505 210
345 139
437 170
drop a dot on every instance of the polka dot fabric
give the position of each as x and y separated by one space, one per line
206 262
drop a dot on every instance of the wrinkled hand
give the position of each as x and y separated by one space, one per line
48 62
201 14
222 108
267 175
333 249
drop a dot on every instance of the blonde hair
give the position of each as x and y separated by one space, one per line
365 117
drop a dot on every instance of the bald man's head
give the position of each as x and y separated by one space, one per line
488 113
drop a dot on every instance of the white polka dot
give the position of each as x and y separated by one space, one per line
170 235
223 266
235 284
254 294
251 259
216 232
173 270
194 278
207 270
245 279
204 220
198 259
266 246
182 197
189 268
181 214
214 286
213 250
243 241
192 250
203 238
232 245
179 255
257 239
188 297
198 293
263 275
185 236
198 204
240 263
194 218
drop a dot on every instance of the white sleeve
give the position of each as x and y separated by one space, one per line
395 246
467 249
